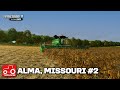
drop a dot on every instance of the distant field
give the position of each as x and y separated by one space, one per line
107 59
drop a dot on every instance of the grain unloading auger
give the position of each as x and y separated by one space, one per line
57 42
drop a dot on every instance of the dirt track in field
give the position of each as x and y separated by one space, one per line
28 56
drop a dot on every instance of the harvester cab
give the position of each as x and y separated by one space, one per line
57 42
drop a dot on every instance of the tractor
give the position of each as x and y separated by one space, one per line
58 42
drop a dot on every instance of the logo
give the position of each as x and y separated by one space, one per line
9 70
14 17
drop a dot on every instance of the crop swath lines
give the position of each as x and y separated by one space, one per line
24 57
107 59
8 57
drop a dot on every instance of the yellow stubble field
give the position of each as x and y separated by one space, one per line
25 57
107 59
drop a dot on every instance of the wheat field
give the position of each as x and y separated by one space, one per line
107 59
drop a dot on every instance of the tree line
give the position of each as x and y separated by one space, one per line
95 43
22 37
27 38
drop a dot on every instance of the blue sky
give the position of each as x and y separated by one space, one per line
91 25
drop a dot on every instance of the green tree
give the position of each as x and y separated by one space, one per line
111 43
98 43
27 36
36 39
85 43
69 41
74 42
106 43
3 36
92 43
20 37
79 42
12 34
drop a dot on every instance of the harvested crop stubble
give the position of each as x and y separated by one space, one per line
107 59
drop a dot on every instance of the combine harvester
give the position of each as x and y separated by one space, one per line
58 42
